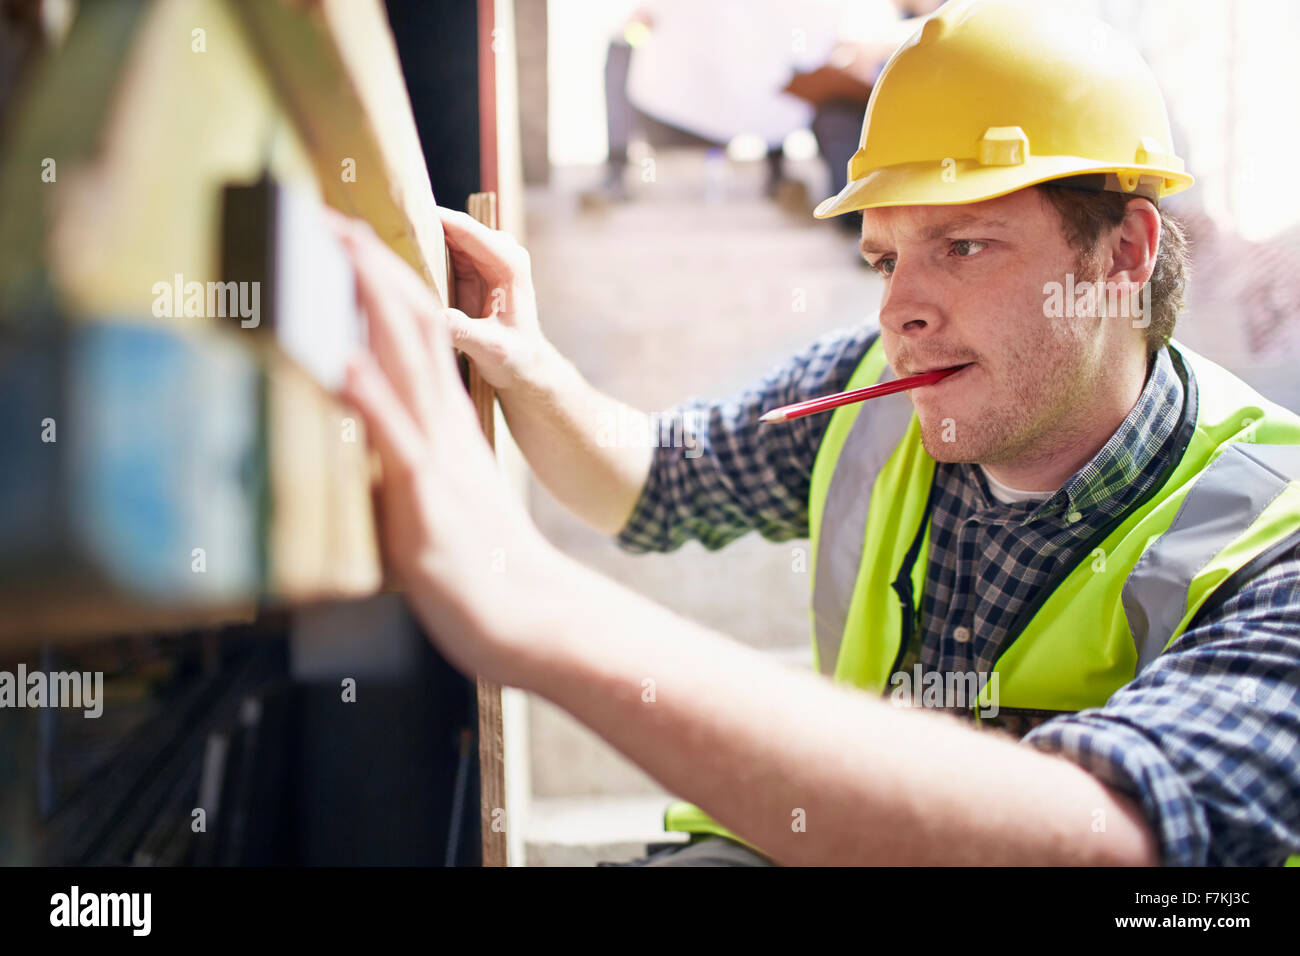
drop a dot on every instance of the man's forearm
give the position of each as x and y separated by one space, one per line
810 772
558 420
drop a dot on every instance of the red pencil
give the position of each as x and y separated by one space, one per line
824 404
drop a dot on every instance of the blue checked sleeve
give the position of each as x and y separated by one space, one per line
730 475
1207 737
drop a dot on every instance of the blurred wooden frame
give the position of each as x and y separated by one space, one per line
289 89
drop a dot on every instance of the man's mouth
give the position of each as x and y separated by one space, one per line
952 370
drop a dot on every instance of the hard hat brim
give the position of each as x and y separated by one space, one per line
957 182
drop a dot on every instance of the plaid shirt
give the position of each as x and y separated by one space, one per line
1206 738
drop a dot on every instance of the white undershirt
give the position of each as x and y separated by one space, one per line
1006 494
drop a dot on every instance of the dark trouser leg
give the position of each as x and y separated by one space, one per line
618 110
838 126
775 169
707 850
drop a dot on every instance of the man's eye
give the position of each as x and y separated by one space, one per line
965 248
883 265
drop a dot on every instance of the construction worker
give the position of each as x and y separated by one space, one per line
1090 530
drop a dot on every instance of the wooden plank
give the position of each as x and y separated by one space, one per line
492 774
502 178
491 728
488 45
483 207
321 538
335 66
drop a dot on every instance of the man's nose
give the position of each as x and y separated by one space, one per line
909 307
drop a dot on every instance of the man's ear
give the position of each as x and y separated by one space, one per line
1134 244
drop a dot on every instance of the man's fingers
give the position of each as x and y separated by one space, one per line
403 279
394 336
437 335
389 425
478 339
490 251
338 221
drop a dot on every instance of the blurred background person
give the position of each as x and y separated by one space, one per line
746 76
839 88
730 73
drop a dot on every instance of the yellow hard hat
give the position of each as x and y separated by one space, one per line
991 96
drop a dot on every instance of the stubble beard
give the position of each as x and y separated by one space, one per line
1042 390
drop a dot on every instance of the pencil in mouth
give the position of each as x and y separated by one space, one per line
827 402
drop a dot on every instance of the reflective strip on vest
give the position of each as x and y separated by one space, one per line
1220 507
873 438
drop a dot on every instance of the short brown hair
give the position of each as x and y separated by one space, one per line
1086 214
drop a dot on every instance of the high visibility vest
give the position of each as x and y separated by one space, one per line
1226 504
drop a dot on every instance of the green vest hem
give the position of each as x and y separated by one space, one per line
683 817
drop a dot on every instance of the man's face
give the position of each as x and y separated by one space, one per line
965 284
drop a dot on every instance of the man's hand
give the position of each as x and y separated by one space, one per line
453 535
555 416
495 322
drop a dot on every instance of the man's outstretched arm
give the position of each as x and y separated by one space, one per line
809 772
